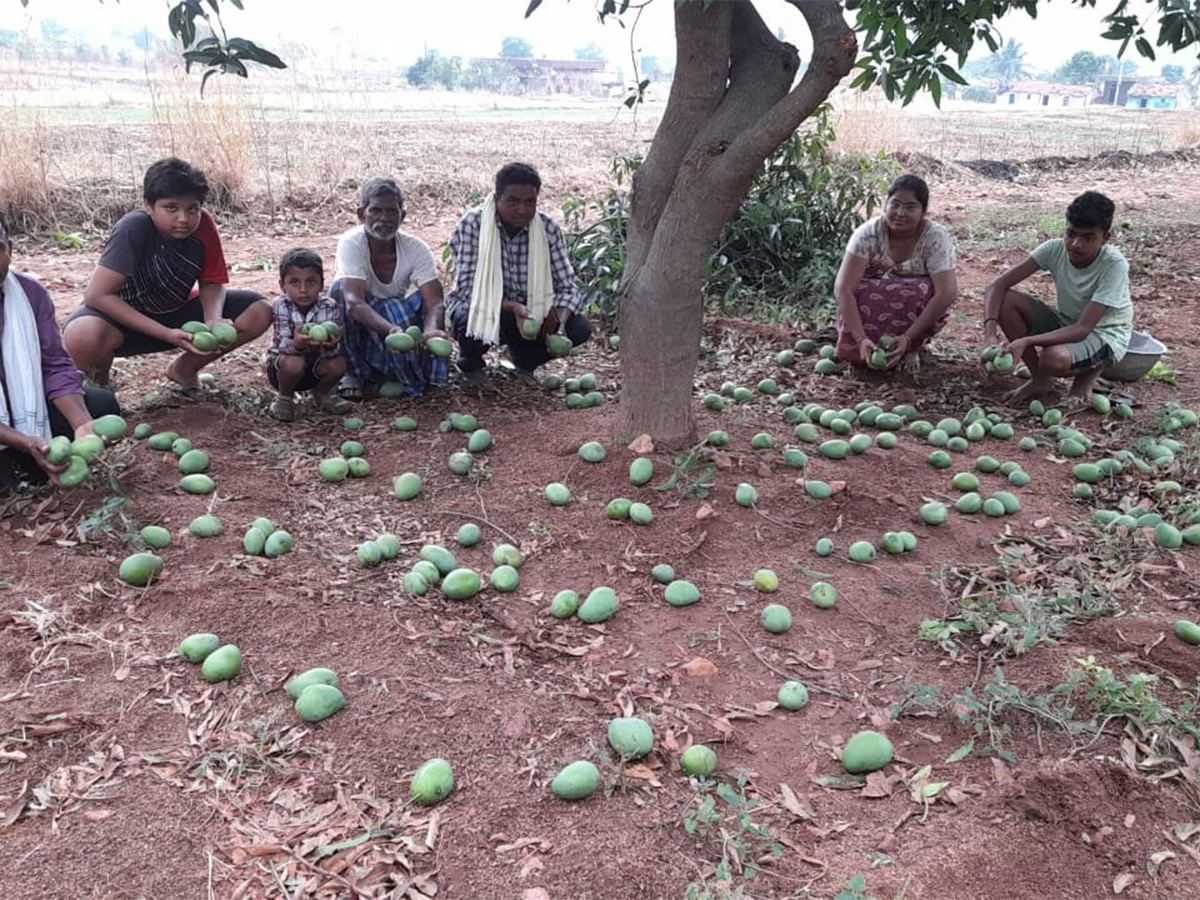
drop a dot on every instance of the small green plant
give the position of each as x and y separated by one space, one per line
693 474
855 889
777 258
916 698
70 241
725 813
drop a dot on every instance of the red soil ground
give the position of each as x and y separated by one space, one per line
123 774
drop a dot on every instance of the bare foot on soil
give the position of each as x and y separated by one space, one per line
187 377
1035 390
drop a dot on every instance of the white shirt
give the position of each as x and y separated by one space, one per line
414 263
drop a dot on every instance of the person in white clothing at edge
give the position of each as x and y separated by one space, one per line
513 279
387 281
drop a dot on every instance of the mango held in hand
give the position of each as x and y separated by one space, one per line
205 341
530 329
630 737
111 428
878 358
88 446
399 342
577 781
867 751
319 701
196 647
698 761
433 782
439 347
222 664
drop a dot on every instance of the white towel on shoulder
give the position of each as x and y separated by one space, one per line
22 390
487 291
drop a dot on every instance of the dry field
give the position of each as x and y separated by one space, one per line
1033 758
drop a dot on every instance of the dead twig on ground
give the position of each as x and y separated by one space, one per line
775 669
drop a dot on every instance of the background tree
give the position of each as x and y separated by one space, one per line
592 51
1173 74
516 48
1008 64
1126 68
1082 68
435 70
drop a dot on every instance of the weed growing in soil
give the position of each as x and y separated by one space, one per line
692 476
743 840
1083 707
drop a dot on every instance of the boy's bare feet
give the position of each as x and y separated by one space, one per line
185 375
1082 386
1036 389
331 403
283 408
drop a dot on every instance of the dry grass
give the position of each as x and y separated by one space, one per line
289 144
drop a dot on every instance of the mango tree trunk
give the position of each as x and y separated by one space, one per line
732 104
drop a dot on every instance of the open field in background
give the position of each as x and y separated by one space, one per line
75 143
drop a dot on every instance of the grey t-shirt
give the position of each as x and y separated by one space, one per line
1105 281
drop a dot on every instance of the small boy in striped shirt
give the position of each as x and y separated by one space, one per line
304 354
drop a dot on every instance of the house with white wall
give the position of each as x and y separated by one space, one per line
1045 95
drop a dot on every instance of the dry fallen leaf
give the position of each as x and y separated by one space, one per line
1122 881
802 809
642 444
535 894
705 512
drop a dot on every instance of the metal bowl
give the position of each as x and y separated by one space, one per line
1144 351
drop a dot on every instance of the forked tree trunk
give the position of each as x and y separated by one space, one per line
732 104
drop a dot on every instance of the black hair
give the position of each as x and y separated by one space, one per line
381 186
913 183
300 258
172 177
517 173
1091 210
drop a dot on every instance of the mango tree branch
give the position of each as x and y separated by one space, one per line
834 50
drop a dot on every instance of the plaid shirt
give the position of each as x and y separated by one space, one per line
514 257
289 318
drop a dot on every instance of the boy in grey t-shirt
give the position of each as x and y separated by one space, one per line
1091 324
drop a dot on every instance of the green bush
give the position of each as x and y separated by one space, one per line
977 93
778 257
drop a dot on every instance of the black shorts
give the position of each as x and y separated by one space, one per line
134 343
309 380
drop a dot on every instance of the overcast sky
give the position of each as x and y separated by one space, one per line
401 29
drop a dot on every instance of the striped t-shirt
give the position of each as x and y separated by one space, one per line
161 272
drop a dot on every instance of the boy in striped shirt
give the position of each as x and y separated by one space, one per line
304 353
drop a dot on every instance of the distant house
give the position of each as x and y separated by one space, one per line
1154 96
1113 90
555 76
1041 94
